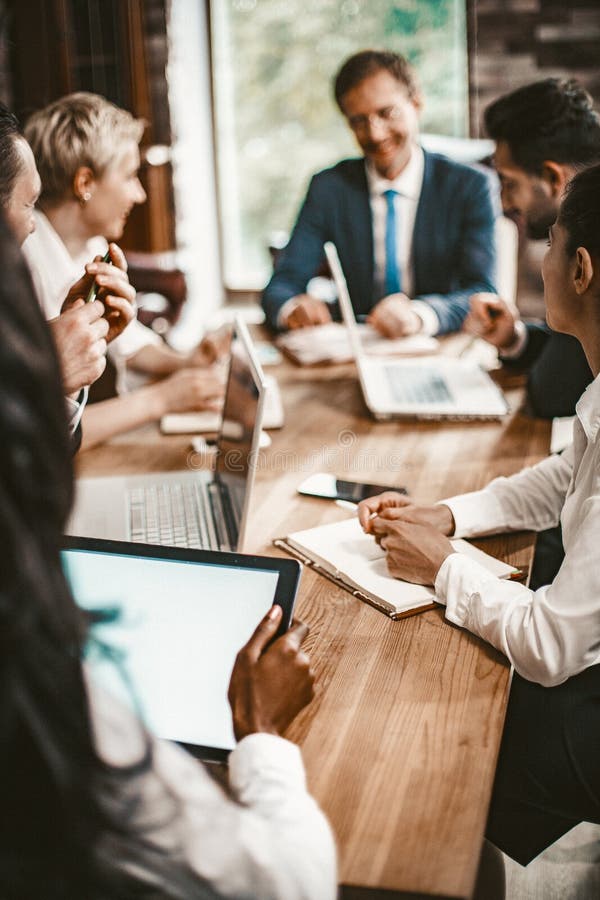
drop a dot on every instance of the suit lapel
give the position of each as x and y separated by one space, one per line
358 239
423 223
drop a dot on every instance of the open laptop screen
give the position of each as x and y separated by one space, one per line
240 426
172 628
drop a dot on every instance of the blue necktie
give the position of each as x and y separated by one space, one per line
393 275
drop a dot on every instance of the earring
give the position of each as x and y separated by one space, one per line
83 199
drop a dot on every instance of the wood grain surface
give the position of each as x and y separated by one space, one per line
400 743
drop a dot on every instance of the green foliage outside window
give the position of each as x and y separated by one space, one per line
276 120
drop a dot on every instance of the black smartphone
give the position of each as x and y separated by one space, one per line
331 488
93 291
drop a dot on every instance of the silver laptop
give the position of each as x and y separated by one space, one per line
205 510
425 388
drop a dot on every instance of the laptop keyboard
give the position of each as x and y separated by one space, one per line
417 384
178 515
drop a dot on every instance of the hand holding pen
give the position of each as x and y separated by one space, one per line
106 279
492 319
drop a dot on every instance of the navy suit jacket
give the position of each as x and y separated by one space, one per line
454 248
558 371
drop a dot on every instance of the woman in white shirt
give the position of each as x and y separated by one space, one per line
92 806
548 776
86 151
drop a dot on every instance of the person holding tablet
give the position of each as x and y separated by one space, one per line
547 778
93 805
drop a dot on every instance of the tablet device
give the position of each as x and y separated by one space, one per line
167 625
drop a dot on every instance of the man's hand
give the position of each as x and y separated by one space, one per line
394 317
492 319
414 552
114 290
307 311
395 507
80 338
270 684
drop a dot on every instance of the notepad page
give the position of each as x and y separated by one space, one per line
348 552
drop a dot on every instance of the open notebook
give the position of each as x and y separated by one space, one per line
349 557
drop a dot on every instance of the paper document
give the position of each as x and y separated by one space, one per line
330 344
352 558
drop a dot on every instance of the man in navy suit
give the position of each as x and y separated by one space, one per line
414 230
544 132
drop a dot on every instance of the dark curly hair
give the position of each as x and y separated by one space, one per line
579 213
551 119
10 159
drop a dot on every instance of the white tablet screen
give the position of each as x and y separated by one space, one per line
179 628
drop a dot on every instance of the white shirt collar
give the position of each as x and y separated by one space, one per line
588 409
408 183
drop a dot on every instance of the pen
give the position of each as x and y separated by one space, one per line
93 291
493 313
347 504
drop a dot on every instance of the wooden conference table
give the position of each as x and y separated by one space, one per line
400 742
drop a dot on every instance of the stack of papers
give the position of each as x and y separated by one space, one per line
330 344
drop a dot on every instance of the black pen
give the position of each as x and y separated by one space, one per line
93 291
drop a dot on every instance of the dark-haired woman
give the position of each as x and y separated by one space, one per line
548 776
94 808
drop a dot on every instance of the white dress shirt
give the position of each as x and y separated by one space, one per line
554 632
408 186
268 841
54 270
75 408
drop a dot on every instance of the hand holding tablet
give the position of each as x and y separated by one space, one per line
178 620
270 682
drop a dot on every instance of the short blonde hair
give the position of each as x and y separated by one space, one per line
80 129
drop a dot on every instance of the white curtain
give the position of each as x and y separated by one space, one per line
197 225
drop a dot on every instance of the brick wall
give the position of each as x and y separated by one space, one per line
514 42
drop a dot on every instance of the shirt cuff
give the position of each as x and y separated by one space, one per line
428 316
517 348
284 312
75 409
260 754
458 584
475 513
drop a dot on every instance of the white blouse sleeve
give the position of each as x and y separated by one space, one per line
268 840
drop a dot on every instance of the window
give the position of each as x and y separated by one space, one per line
276 120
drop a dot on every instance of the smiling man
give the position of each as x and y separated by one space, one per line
545 132
414 230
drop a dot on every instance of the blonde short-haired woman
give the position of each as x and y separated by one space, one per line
86 152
